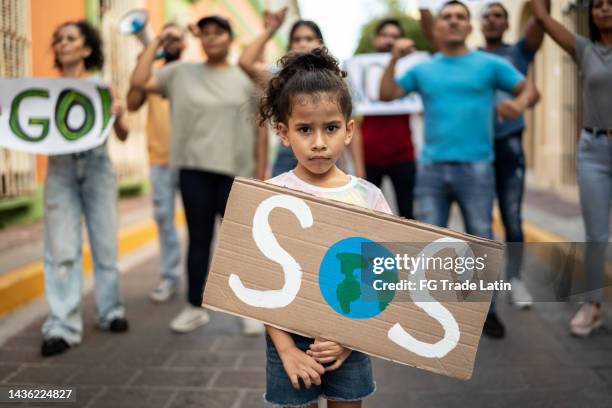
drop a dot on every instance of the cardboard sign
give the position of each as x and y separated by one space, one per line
54 115
365 73
290 260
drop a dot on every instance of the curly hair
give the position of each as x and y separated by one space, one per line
312 75
91 38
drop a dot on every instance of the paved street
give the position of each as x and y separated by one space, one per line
537 365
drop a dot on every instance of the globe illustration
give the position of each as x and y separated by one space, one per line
346 279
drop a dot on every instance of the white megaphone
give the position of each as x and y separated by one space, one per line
135 23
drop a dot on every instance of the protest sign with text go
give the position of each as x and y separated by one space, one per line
54 115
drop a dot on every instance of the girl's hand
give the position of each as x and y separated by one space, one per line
329 351
298 365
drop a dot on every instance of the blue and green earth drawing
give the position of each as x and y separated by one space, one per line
346 279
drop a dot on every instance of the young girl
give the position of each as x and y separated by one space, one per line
310 103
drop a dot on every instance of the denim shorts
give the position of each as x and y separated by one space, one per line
353 381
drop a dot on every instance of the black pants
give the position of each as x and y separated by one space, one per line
402 177
510 186
204 197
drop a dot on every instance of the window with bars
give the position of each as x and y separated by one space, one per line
17 170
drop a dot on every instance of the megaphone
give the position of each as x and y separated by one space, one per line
135 23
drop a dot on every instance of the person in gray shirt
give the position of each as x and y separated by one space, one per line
594 59
213 140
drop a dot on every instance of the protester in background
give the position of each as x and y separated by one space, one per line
458 88
387 139
594 59
309 102
80 184
213 140
164 178
304 36
509 157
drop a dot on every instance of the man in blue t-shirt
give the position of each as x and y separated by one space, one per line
458 88
509 157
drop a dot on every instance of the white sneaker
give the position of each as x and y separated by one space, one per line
190 318
163 292
520 296
252 327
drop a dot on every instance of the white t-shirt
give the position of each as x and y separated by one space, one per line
357 191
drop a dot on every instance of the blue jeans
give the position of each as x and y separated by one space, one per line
80 184
353 381
510 186
164 180
471 184
285 161
595 185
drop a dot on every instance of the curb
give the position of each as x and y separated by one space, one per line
24 284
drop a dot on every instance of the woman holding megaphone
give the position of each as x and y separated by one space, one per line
80 184
213 140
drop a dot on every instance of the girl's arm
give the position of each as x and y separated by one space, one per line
297 364
250 59
560 34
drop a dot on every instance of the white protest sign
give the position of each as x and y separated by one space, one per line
54 115
365 73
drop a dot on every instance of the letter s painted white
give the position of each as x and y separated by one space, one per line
269 246
424 300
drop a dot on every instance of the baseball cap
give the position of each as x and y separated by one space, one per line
218 20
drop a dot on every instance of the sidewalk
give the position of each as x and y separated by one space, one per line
537 365
21 266
20 245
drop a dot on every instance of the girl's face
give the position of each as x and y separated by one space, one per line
317 132
69 46
602 14
215 41
304 40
